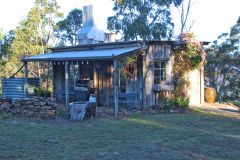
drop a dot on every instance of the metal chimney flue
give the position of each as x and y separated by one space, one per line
90 33
88 16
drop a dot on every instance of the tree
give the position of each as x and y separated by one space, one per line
66 29
5 44
235 36
32 36
184 11
143 19
223 65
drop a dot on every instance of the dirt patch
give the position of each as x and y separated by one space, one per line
223 108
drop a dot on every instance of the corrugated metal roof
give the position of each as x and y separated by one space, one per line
84 54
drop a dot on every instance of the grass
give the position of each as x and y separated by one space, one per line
5 115
197 135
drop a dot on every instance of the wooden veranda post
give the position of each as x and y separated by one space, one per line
115 80
95 78
53 79
66 84
26 79
144 96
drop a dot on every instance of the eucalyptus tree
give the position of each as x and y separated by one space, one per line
66 29
223 65
33 35
143 19
5 44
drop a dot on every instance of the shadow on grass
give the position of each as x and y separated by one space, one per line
197 135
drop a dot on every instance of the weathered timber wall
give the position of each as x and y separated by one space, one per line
161 51
104 80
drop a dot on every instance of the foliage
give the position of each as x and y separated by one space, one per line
146 20
168 103
31 37
188 55
179 102
42 92
128 65
5 115
5 52
66 29
38 91
5 43
235 36
182 102
222 70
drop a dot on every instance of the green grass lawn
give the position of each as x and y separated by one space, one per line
197 135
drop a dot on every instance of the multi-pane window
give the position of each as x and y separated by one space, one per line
159 72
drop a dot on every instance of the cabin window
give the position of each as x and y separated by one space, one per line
160 72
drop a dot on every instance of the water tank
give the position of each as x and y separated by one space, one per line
14 87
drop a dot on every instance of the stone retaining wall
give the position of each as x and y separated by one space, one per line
31 107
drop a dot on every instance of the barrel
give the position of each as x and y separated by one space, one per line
14 87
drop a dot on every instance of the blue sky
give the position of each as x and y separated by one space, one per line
211 17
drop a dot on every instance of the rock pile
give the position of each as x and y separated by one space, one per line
31 107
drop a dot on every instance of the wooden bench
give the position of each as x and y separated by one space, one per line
127 98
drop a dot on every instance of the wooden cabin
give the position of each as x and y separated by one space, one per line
100 64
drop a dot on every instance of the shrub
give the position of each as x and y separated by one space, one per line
182 102
42 93
168 103
5 115
38 92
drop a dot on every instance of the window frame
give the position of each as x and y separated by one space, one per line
162 77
